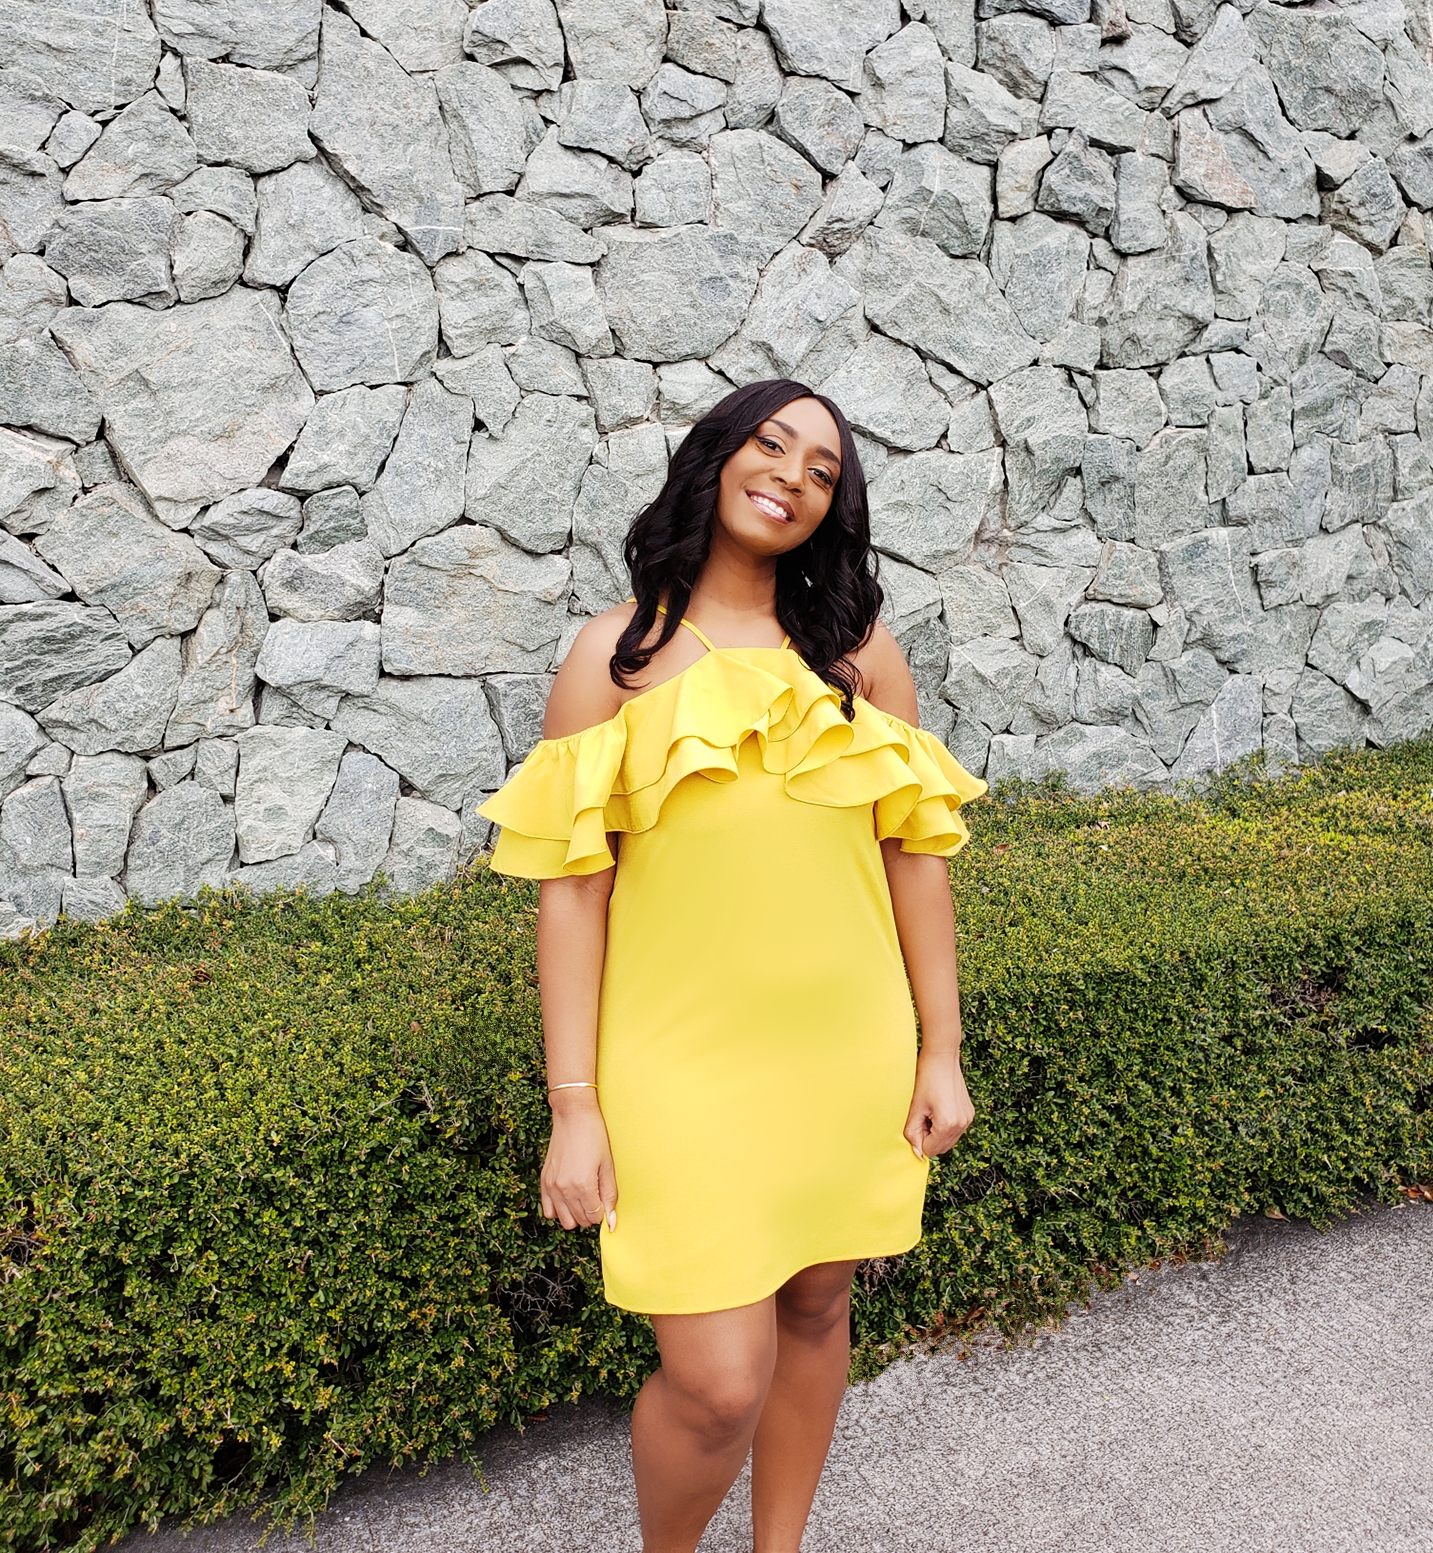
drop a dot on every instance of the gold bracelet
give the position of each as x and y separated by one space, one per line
581 1084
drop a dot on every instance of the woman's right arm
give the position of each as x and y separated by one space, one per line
579 1185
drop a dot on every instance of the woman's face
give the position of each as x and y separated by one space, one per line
776 489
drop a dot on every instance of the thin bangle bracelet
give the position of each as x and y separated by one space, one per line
583 1084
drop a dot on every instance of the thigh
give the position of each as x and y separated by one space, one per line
719 1349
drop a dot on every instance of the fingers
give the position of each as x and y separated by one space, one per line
917 1133
929 1133
607 1192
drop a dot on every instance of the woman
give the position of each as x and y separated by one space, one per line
730 1039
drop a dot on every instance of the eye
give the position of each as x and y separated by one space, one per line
769 443
824 477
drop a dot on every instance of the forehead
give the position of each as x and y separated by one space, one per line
809 420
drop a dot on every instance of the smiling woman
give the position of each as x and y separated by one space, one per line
741 834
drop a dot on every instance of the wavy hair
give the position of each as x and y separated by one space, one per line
827 596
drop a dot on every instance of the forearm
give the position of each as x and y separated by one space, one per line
925 925
571 947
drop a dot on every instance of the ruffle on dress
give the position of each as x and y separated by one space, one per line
556 810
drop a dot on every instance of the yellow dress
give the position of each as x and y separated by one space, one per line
756 1042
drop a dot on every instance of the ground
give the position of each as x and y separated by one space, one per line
1279 1400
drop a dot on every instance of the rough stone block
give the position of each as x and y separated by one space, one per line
940 196
674 190
116 250
615 488
763 192
521 39
338 584
199 400
114 555
346 439
216 765
357 820
300 214
423 850
217 678
1043 597
285 777
823 124
647 279
92 900
621 392
367 104
549 441
421 488
829 38
464 602
254 119
364 313
600 116
926 509
317 662
946 308
182 841
142 150
127 712
885 392
435 732
580 186
245 529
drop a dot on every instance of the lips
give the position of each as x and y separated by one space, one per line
772 506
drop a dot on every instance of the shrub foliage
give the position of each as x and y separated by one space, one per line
269 1167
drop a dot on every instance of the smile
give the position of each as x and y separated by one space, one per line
772 506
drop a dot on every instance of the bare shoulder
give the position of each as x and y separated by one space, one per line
886 677
583 694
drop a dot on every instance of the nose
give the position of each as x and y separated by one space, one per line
789 471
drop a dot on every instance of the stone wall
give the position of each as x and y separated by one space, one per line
339 345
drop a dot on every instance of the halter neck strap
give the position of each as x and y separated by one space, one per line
703 638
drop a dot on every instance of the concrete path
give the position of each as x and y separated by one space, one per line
1278 1401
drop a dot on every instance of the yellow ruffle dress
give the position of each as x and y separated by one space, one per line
756 1042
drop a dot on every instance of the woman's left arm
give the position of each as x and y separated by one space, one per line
925 923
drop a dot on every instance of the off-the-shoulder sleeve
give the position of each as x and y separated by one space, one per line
551 812
558 808
928 820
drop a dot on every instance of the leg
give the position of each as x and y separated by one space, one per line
813 1357
694 1419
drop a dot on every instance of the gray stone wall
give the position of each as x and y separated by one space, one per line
340 344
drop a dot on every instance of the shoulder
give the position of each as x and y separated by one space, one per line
583 694
885 676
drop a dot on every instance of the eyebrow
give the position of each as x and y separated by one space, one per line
791 431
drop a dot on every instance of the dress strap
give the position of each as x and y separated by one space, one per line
786 640
661 610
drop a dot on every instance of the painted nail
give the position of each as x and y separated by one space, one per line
917 1153
612 1219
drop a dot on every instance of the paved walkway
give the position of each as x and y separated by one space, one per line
1279 1401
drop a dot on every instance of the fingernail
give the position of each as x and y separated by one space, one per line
917 1152
612 1219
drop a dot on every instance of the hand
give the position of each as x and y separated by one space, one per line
940 1107
579 1185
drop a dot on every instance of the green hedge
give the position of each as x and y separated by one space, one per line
269 1168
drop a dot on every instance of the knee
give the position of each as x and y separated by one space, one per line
721 1409
813 1313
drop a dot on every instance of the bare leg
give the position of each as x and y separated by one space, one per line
693 1422
813 1358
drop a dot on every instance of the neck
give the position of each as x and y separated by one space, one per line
734 584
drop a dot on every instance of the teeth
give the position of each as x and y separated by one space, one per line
767 505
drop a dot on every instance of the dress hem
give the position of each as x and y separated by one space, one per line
756 1299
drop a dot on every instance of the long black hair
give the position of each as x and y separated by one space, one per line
827 596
